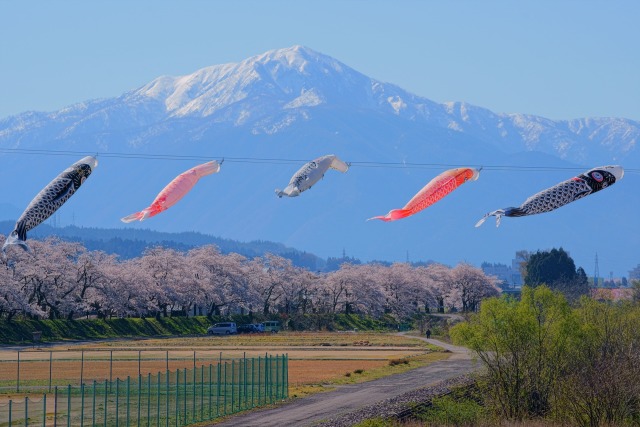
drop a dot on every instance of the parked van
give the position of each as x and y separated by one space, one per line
271 326
225 328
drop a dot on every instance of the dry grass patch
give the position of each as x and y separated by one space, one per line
282 339
313 376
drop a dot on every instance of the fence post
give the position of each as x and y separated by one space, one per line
158 399
177 395
139 397
267 393
18 374
81 366
93 405
193 414
81 404
240 384
117 400
277 377
55 406
110 368
233 380
107 385
253 382
10 413
224 410
128 398
210 387
139 367
259 380
26 411
219 369
286 375
69 405
167 394
201 392
44 410
184 404
50 368
148 399
244 370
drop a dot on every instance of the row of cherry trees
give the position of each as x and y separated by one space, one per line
64 280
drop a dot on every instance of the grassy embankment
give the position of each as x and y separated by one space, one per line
21 331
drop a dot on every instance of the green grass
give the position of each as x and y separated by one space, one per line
21 331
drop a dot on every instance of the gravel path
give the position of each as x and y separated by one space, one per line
350 403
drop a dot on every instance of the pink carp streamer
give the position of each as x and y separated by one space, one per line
174 191
435 190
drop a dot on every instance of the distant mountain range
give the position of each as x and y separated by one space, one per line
268 114
131 243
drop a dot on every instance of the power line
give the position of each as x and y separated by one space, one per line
257 160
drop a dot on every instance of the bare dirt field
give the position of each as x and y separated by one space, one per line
315 359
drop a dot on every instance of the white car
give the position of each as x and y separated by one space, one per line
225 328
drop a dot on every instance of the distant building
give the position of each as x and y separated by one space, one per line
501 271
516 264
612 294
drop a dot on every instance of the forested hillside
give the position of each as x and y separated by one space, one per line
131 243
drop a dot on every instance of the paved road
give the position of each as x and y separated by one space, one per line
348 398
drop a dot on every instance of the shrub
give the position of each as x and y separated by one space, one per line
395 362
449 411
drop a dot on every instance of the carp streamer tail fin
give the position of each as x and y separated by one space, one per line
138 216
393 215
498 214
14 239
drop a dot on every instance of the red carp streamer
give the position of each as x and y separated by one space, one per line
174 191
435 190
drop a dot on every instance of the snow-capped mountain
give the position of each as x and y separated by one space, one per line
269 93
296 103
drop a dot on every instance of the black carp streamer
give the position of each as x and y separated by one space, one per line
49 199
563 193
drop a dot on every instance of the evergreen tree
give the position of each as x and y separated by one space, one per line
556 269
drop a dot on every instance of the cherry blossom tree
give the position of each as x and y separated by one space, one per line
225 280
472 285
63 280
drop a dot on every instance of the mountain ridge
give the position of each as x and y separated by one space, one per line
236 94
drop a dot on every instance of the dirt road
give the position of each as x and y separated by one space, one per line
348 398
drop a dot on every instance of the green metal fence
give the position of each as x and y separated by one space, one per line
170 399
37 370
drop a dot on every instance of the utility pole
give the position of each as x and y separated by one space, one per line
596 273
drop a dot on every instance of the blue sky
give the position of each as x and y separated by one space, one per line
558 59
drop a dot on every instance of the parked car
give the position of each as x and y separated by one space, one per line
271 326
258 327
250 328
225 328
245 328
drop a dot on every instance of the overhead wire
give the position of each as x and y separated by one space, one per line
275 160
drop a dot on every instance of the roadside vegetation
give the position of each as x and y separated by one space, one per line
547 363
548 360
